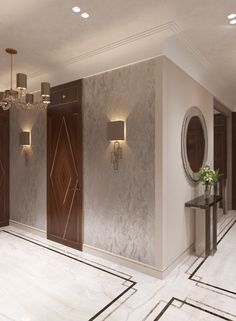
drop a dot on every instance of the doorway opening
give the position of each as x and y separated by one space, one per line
223 155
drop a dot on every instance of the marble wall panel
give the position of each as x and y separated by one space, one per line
119 207
28 168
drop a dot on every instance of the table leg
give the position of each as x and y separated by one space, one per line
215 227
207 231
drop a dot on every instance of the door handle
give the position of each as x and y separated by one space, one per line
76 189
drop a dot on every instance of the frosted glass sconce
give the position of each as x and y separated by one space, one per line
24 139
116 133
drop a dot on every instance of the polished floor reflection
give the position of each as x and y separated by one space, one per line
42 280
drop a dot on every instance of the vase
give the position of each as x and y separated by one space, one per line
207 193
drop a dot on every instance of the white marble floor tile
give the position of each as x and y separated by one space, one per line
217 270
40 284
181 311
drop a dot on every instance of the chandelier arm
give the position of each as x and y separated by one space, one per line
16 98
11 71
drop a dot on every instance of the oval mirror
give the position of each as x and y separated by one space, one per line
194 142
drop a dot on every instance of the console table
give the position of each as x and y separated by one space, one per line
202 203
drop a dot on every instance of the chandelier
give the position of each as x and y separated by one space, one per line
18 97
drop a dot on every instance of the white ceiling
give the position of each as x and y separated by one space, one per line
56 45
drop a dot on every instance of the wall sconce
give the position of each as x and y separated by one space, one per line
24 139
116 133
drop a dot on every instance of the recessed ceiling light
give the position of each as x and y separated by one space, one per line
233 22
231 16
76 9
85 15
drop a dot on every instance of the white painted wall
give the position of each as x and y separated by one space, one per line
179 93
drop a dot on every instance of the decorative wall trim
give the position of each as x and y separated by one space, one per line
129 263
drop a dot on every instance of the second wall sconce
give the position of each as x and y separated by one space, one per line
116 133
25 139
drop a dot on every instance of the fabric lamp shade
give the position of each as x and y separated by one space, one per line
116 130
24 139
21 81
45 89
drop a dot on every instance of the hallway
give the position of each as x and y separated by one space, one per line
47 281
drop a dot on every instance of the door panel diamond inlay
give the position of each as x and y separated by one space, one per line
63 175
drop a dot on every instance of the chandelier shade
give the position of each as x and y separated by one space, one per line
19 98
45 89
21 81
29 98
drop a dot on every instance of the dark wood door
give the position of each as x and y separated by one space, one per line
64 165
221 151
234 161
4 168
220 144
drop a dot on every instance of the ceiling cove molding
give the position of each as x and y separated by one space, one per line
177 32
195 52
190 46
171 26
214 83
123 42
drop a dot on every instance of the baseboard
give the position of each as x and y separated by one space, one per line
135 265
177 261
27 228
129 263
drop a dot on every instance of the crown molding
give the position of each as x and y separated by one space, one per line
188 44
169 26
125 41
215 84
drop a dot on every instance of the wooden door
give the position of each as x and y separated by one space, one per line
4 168
220 144
221 150
64 165
234 161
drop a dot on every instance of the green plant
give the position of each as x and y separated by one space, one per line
208 176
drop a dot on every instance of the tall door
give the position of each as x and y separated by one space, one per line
220 148
220 143
234 161
64 165
4 168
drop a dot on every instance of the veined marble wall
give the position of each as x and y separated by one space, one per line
28 169
119 208
121 214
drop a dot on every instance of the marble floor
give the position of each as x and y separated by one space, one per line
45 281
